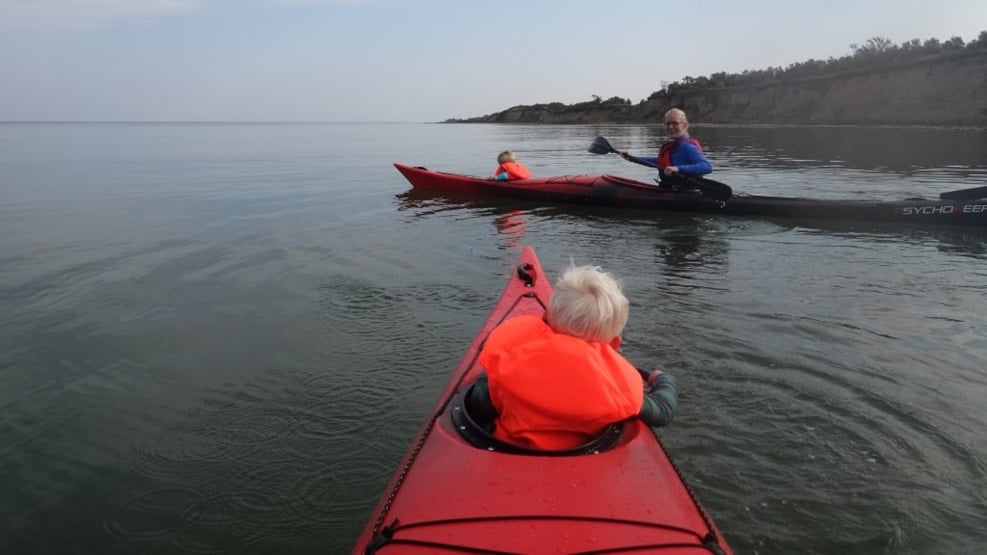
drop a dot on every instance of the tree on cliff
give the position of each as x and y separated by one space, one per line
980 43
876 54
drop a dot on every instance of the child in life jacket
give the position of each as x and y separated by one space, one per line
509 169
557 382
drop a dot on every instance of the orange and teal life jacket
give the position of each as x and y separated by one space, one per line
514 171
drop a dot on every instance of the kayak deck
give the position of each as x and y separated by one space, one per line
480 501
450 496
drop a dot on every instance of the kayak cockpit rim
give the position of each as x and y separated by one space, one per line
477 433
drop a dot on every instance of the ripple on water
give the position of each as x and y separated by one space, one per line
291 451
154 515
855 432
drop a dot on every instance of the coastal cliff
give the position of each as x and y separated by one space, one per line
932 90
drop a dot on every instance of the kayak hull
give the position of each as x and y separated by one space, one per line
450 495
615 191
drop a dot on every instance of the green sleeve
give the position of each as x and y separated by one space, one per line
660 400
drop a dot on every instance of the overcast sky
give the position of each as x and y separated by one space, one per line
411 60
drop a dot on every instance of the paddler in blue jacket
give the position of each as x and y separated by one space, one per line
681 154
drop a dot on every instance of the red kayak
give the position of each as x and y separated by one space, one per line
966 207
460 490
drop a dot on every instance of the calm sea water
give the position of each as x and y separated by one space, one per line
223 337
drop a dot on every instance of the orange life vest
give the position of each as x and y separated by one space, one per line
555 391
514 171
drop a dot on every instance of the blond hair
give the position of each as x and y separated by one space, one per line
587 303
506 156
677 112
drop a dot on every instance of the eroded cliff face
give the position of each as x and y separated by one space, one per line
937 92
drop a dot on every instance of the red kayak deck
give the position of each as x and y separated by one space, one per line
450 496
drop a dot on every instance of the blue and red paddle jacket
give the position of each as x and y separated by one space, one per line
683 152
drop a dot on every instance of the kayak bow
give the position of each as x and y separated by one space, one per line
459 490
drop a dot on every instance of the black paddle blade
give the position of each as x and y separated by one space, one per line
601 146
965 194
712 189
716 190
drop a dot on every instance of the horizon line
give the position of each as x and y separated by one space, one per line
207 121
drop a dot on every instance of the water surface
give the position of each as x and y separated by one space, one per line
223 337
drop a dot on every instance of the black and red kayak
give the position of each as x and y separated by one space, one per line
967 207
460 490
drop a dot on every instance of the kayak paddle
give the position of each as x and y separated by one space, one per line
713 189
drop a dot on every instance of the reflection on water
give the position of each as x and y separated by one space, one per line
689 246
954 240
511 227
684 237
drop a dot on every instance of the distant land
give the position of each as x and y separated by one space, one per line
915 83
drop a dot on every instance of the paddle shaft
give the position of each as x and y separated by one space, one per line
713 189
637 160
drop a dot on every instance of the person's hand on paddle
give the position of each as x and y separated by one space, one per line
713 189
